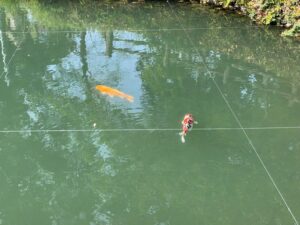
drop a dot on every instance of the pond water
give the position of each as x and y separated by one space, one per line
240 165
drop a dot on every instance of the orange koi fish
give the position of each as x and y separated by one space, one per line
113 92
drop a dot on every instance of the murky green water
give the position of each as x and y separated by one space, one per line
52 56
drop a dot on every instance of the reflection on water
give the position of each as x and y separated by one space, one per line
49 67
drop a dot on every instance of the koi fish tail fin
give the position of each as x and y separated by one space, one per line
129 98
182 139
181 133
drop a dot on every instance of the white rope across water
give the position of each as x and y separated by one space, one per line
145 129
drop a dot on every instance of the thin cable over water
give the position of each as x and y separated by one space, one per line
144 129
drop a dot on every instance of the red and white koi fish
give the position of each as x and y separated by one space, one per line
187 125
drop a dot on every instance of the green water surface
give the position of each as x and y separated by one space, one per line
172 59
